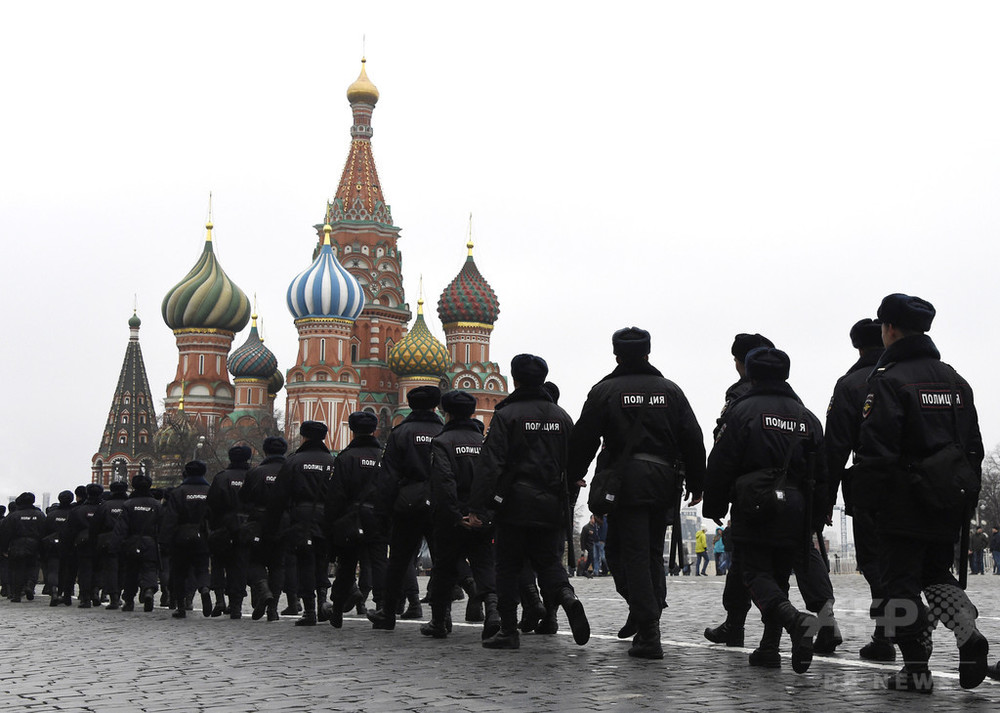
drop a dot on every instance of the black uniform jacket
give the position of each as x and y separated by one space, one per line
24 523
407 456
224 505
908 416
357 477
738 389
300 489
79 527
140 517
453 454
668 431
186 506
103 522
257 492
756 434
521 468
843 421
57 523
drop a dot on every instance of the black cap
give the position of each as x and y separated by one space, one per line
362 423
744 343
552 390
764 364
195 469
906 312
118 486
313 430
630 343
94 490
460 404
528 369
141 482
238 455
866 334
275 445
424 398
25 500
66 497
81 491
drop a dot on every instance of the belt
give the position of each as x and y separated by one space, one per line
650 458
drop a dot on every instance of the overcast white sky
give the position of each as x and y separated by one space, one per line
696 169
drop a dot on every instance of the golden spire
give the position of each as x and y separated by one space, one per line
420 297
326 234
180 404
253 317
469 244
208 224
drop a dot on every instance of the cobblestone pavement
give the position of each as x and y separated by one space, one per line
67 659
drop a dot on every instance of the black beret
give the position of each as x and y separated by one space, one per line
94 490
141 482
460 404
424 398
764 364
552 390
66 497
529 370
313 430
362 422
743 343
866 334
195 468
906 312
118 486
275 445
630 343
240 454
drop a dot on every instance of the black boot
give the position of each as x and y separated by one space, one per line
236 607
180 613
646 644
508 636
879 648
829 636
491 620
294 605
382 619
325 605
728 633
262 598
308 617
220 603
800 627
206 602
148 596
550 623
55 600
973 660
128 604
353 599
413 611
578 623
630 629
915 676
335 614
994 671
114 603
474 605
767 655
532 609
272 610
436 627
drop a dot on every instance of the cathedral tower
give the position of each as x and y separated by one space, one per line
419 359
127 444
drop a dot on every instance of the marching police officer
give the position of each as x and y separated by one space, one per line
58 567
80 531
406 462
267 553
766 447
350 513
225 518
453 455
918 467
107 562
652 440
20 540
136 533
521 475
184 533
843 421
300 490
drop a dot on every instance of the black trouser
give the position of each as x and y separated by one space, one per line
374 562
538 546
266 562
766 570
634 550
371 558
109 568
909 566
51 565
23 563
455 544
141 563
813 582
404 545
67 570
85 563
185 561
312 562
865 546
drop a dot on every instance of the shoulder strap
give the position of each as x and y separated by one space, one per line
795 441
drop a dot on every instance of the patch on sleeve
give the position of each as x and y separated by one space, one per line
867 408
722 429
829 407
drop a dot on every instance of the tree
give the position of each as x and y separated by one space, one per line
988 509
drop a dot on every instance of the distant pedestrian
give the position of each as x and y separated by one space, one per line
719 550
700 553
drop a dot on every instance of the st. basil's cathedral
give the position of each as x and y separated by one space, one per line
355 349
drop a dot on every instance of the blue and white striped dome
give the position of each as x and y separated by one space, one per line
325 288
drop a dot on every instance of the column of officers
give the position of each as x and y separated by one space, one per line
497 510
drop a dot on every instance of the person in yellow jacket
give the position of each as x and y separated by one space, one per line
701 553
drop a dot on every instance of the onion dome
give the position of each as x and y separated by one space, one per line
252 360
419 353
325 288
134 322
276 382
362 91
206 298
469 297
